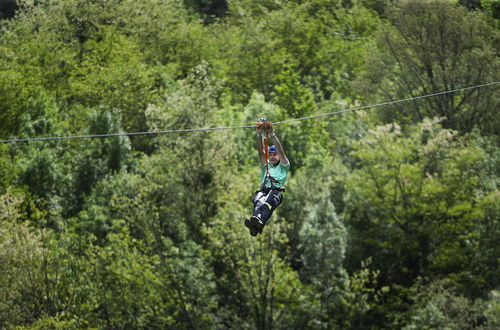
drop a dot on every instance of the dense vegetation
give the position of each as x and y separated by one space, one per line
391 219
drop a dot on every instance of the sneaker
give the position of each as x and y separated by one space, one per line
257 223
253 231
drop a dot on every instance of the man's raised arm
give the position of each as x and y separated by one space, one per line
260 146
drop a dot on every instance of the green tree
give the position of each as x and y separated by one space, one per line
295 101
320 40
318 243
24 290
196 159
111 73
411 204
435 46
322 244
8 170
152 204
438 305
493 8
263 291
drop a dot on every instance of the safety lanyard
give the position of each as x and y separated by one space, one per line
262 122
266 156
266 153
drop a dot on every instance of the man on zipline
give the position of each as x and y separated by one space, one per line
275 167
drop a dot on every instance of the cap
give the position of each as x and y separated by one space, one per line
272 149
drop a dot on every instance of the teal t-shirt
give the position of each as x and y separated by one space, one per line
278 172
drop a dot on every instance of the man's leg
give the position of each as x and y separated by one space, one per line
265 204
258 199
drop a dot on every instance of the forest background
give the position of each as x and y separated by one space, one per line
391 215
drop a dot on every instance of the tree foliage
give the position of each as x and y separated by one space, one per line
390 219
434 46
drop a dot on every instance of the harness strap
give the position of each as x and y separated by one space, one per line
267 124
266 152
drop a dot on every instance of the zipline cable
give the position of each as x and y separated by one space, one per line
52 138
386 103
